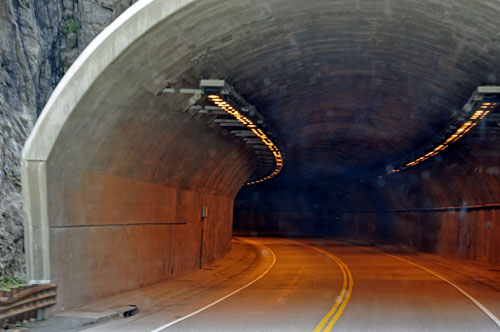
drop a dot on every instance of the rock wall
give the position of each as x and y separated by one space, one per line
39 40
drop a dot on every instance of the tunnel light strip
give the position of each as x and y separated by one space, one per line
278 158
478 115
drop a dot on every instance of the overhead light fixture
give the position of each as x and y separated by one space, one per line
255 134
482 102
224 96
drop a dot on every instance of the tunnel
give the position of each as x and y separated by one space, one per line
126 186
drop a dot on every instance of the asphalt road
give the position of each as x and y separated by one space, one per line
391 294
319 285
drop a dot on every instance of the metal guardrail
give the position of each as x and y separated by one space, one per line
25 303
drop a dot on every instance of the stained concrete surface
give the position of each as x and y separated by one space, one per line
114 178
463 234
460 233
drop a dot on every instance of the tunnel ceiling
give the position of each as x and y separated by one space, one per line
348 85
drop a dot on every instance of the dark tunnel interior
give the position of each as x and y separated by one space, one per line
433 207
365 90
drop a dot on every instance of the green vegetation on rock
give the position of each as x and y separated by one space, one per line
72 25
7 283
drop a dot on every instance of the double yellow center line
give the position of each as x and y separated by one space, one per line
327 323
345 294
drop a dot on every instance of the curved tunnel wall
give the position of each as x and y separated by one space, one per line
449 205
348 85
115 175
375 80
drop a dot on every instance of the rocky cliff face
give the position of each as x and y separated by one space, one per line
39 40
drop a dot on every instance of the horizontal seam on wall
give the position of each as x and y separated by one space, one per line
436 209
114 225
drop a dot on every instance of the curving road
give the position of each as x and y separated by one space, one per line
298 292
320 285
397 294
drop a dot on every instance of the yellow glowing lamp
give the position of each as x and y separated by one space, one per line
228 108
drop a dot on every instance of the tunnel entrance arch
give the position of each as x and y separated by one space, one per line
115 176
339 79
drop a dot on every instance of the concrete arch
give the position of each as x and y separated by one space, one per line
349 86
115 176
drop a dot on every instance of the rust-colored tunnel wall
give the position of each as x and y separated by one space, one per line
466 179
460 234
125 203
117 223
115 173
449 205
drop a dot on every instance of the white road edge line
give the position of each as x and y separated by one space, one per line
467 295
161 328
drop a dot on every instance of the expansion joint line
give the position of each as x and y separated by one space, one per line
331 318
